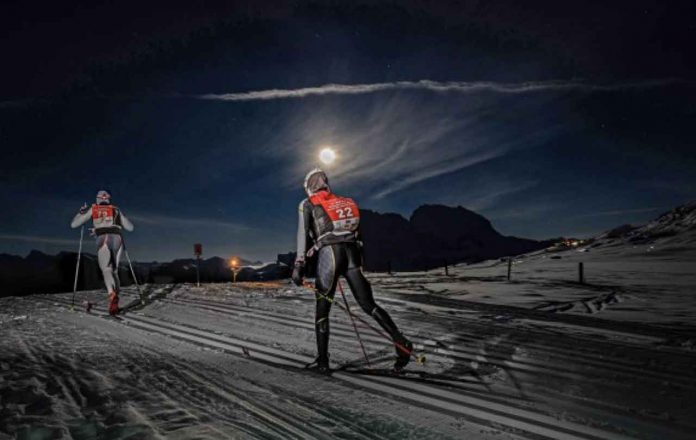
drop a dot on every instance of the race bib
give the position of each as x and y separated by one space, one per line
103 215
342 211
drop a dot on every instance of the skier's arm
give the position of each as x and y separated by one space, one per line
127 225
81 217
301 234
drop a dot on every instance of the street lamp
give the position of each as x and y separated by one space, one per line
234 265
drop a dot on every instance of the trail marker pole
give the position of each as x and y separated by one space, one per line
581 273
198 251
509 274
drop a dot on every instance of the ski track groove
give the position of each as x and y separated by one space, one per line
459 354
580 404
559 342
205 408
525 366
285 427
489 413
324 433
275 421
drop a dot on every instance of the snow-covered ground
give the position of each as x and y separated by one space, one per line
541 356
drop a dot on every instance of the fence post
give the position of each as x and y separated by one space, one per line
446 269
509 268
581 273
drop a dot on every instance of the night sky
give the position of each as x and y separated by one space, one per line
555 118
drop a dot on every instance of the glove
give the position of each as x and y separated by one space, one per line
84 209
298 273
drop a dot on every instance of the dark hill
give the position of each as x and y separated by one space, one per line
434 234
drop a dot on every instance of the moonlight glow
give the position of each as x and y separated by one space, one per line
327 156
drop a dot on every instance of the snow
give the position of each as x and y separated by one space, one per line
539 356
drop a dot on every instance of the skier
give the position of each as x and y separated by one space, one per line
332 223
108 222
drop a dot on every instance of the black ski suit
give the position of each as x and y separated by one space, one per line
339 254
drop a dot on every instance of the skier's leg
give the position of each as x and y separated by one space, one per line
326 279
117 250
105 258
362 291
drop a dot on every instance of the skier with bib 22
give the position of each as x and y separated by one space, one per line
108 221
332 223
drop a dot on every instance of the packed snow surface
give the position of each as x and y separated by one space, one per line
541 356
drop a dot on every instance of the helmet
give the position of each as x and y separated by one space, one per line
315 181
103 197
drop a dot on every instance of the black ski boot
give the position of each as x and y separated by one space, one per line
320 365
404 348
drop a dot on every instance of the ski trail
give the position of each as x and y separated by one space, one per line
512 363
468 406
584 406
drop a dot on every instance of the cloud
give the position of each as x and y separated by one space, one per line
388 144
527 212
618 212
37 239
437 169
163 220
497 190
21 103
437 86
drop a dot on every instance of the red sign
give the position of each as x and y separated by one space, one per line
198 249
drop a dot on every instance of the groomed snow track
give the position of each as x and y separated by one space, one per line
469 403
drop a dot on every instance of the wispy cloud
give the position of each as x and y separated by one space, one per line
493 192
438 169
163 220
527 212
22 103
37 239
618 212
389 144
437 86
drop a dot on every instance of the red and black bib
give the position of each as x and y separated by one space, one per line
343 212
103 216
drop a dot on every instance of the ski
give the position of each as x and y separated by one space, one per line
135 304
403 374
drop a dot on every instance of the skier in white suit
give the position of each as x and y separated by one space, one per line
108 221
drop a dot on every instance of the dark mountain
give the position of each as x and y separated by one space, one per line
41 273
433 236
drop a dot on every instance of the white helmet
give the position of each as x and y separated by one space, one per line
315 181
103 197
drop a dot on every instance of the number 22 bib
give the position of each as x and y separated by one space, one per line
342 211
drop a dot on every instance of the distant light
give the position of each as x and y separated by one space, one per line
234 262
327 156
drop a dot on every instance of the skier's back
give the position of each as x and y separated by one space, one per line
108 221
332 223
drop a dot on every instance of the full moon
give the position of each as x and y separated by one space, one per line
327 156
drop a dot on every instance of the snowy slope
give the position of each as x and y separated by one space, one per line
224 361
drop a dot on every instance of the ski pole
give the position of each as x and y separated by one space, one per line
352 320
419 358
77 267
135 280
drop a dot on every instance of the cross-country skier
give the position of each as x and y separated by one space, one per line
108 222
332 224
